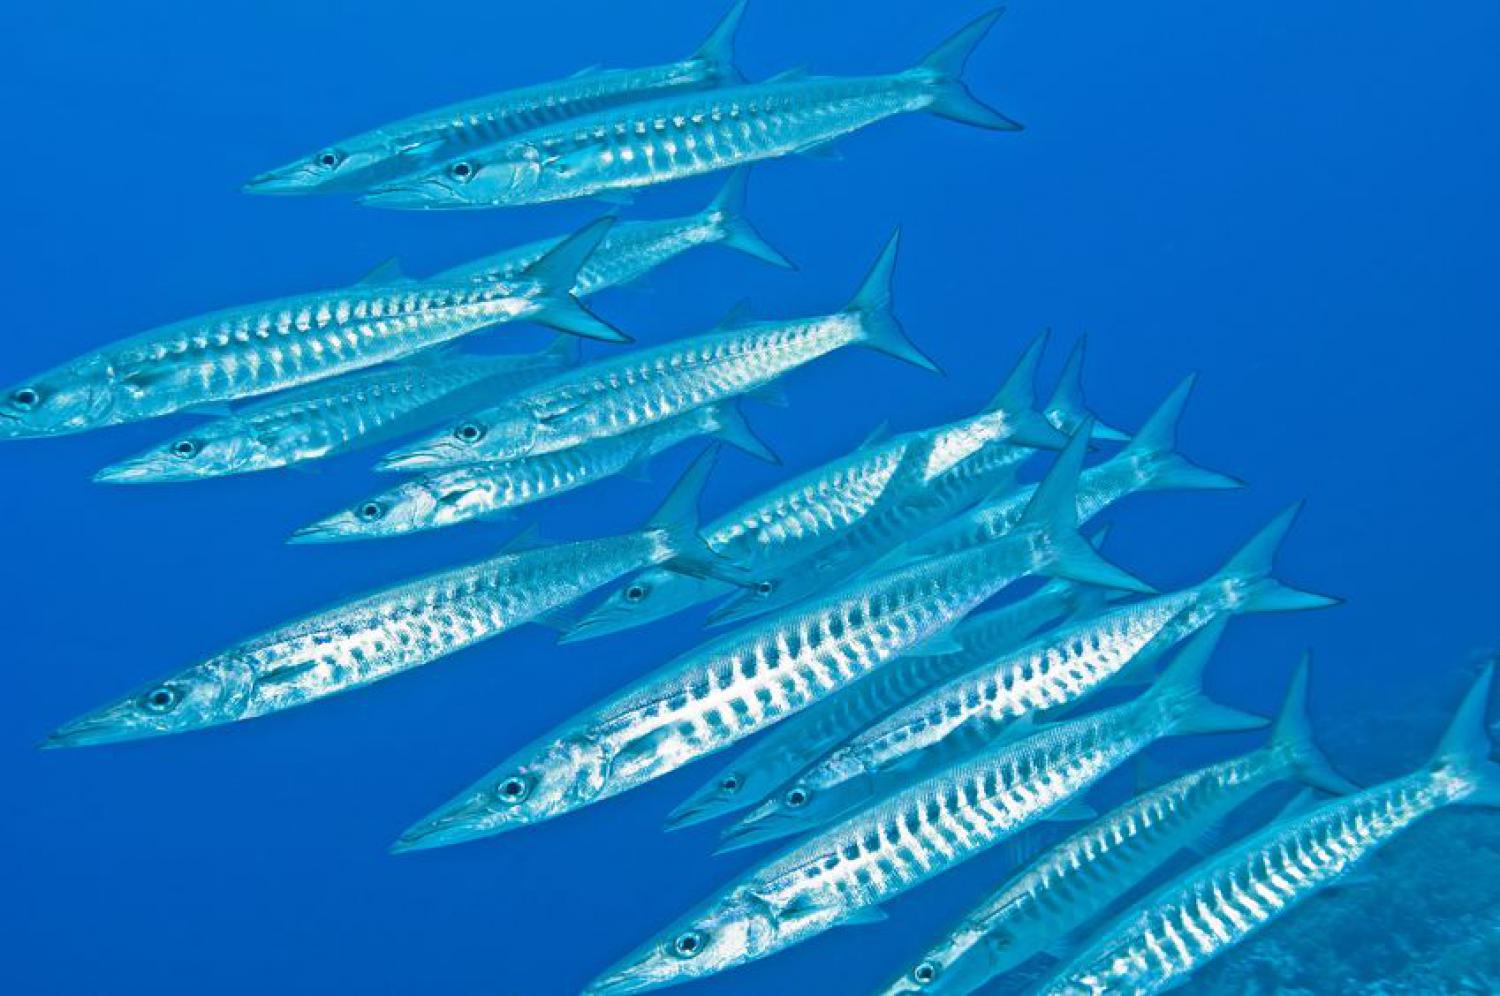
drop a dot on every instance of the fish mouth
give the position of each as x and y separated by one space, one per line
131 472
91 730
425 196
326 531
701 807
417 458
280 182
443 829
749 834
738 608
640 977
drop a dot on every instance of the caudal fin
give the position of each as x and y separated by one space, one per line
717 49
945 67
1179 691
677 519
1153 451
1017 399
557 272
872 303
1292 739
1249 570
727 213
1053 510
1067 406
728 425
1466 746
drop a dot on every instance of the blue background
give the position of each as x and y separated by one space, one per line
1298 200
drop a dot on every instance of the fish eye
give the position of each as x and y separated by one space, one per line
185 449
329 158
731 783
26 397
161 699
635 593
764 587
797 797
461 170
370 511
469 432
924 973
513 790
688 944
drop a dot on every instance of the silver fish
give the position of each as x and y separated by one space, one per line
1079 878
261 348
646 386
1056 669
684 135
790 746
841 876
634 248
732 687
333 417
491 490
1170 934
401 147
395 630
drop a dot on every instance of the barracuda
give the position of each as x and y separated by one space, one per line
790 746
841 876
1057 669
337 416
1079 878
685 135
261 348
392 150
395 630
491 490
1170 934
634 248
728 689
647 386
793 522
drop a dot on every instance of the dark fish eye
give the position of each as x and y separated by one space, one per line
160 699
469 432
461 170
688 944
185 448
635 593
329 158
370 511
26 397
764 587
513 790
924 973
731 783
796 797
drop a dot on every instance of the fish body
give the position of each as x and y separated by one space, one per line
1163 939
624 393
333 417
843 874
401 147
687 134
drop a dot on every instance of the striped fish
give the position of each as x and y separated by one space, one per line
273 346
395 149
1079 878
395 630
1053 670
333 417
684 135
647 386
734 686
842 875
1162 940
490 490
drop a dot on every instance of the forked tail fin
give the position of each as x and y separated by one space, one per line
718 48
677 520
872 303
1017 399
1154 451
557 272
1466 746
1179 691
1067 407
727 212
1292 739
1250 570
945 65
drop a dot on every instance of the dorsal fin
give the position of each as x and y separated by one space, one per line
387 272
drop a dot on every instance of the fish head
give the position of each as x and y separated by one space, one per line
765 594
408 508
210 451
217 691
738 927
650 595
509 177
69 399
539 783
962 962
349 166
796 808
734 788
492 435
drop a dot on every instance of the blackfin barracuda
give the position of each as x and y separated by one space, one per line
841 876
685 135
396 630
401 147
257 349
1157 944
1074 881
335 416
491 490
732 687
1055 669
627 392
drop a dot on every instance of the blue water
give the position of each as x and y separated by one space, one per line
1297 200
